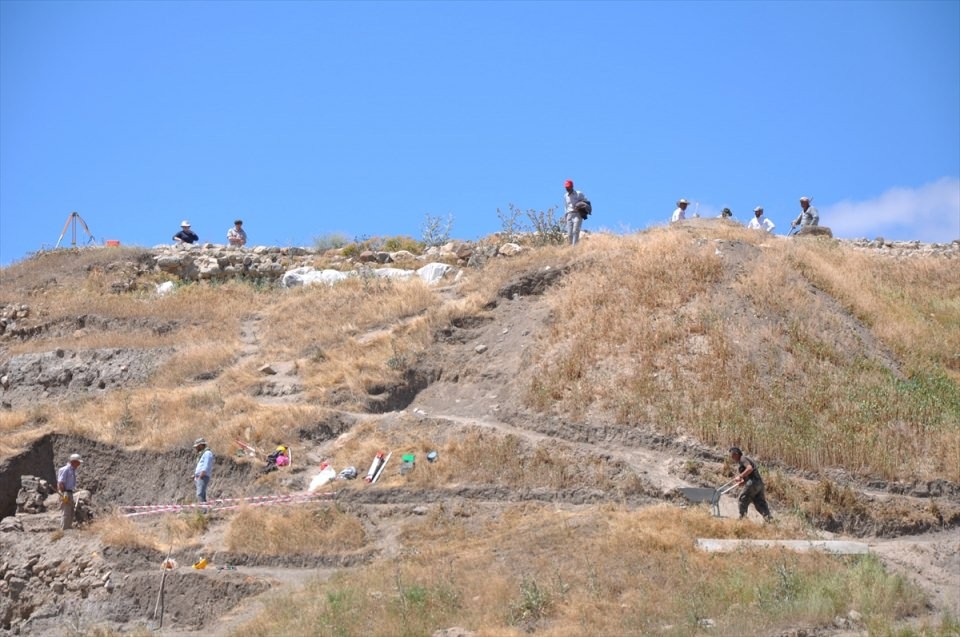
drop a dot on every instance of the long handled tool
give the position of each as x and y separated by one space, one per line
158 607
720 491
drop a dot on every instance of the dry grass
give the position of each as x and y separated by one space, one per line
610 572
119 531
480 457
303 529
757 354
195 359
913 305
317 318
17 430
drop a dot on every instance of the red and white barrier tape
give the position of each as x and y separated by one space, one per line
225 504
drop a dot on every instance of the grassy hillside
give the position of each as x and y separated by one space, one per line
565 390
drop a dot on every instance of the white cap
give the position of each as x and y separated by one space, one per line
804 198
758 209
682 201
75 456
184 224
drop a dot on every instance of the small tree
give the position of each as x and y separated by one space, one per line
546 228
510 222
542 227
436 231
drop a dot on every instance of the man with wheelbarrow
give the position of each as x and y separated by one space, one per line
748 476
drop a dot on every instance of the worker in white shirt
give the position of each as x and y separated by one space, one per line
759 223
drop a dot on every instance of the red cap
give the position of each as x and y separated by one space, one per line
568 184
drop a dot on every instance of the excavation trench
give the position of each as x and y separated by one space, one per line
116 476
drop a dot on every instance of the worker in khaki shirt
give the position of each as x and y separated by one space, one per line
66 485
808 214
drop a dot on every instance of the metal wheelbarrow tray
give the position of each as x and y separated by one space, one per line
707 494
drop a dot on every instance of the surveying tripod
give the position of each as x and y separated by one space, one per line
72 222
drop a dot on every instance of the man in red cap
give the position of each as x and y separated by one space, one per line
576 207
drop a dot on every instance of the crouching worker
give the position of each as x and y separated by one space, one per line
753 491
277 459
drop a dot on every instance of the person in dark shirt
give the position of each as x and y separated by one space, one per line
748 475
186 235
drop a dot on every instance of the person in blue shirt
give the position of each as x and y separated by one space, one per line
201 475
66 485
186 235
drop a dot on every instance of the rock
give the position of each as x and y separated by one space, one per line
814 231
433 272
855 616
367 256
10 524
480 349
509 249
393 273
453 631
312 276
402 255
267 370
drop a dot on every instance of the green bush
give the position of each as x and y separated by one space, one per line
395 244
329 242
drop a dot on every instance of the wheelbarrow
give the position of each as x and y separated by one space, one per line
704 494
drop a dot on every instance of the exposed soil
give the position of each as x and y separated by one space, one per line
466 382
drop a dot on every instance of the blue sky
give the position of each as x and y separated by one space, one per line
312 118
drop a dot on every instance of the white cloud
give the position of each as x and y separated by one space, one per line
930 213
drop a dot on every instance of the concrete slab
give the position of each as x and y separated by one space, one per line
839 547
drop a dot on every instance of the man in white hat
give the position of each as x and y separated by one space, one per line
808 214
681 212
66 485
201 475
186 235
759 223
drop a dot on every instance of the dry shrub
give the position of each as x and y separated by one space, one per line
301 529
605 571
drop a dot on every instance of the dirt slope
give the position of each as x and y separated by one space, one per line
468 384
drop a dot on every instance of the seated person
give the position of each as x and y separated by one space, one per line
236 236
279 458
186 235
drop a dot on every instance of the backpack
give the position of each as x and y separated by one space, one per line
583 208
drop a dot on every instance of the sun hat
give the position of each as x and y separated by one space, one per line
682 201
75 456
804 198
184 224
568 184
198 442
758 209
